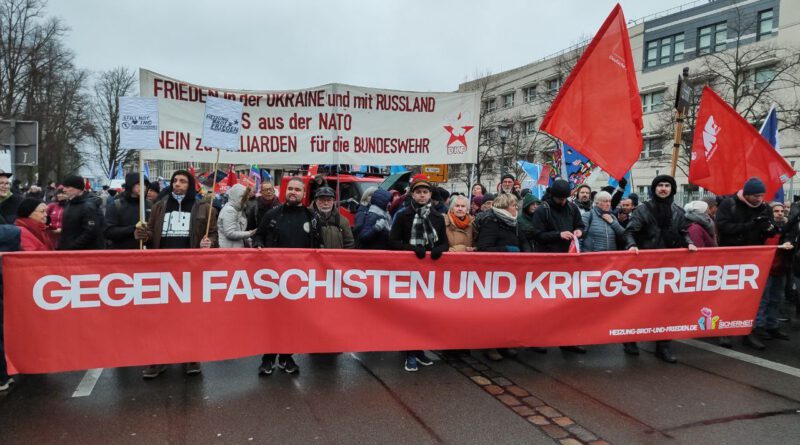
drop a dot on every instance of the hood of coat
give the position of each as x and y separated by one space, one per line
235 195
381 199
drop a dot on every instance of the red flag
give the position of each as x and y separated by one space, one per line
598 110
196 181
727 151
87 185
544 175
232 179
574 246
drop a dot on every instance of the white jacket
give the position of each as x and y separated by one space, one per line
232 220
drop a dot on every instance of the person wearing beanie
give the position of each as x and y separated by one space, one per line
476 205
658 224
178 221
153 191
507 185
701 227
32 221
9 201
419 228
82 222
122 214
525 222
486 201
745 219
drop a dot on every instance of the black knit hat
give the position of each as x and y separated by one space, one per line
507 176
560 189
27 206
663 178
73 181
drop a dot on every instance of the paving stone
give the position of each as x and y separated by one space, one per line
555 431
491 373
538 420
470 360
548 411
517 391
494 390
502 381
533 401
563 421
570 441
483 381
599 442
524 411
509 400
582 433
469 372
479 367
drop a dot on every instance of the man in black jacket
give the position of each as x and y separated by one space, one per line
82 224
557 221
658 224
419 228
288 226
122 214
9 202
745 219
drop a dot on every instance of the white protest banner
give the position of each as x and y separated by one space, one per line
329 124
222 123
138 123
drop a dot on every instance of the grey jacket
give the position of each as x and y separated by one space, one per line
232 221
600 236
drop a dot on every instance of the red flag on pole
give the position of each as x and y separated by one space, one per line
727 151
544 175
574 246
598 110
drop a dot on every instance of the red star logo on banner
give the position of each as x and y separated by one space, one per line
460 138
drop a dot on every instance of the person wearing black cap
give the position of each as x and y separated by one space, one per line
557 221
291 226
487 201
32 221
333 229
122 214
419 228
507 185
8 201
82 222
658 224
745 219
178 221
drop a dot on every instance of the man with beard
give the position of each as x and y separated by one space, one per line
265 202
419 228
624 212
583 198
334 229
290 226
658 224
507 185
178 221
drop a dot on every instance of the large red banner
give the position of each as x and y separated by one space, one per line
78 310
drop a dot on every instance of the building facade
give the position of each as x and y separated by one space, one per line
747 50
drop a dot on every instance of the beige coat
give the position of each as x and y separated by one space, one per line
459 239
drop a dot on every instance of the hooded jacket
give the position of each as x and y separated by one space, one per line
525 224
122 214
643 230
549 220
374 230
232 222
198 217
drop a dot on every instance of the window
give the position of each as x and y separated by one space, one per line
663 51
644 193
530 93
508 100
652 101
553 85
489 135
758 78
764 24
530 127
652 148
489 105
711 39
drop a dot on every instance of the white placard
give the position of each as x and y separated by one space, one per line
138 123
222 123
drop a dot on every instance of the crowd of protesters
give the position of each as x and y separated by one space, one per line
424 219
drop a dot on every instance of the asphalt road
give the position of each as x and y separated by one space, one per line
712 395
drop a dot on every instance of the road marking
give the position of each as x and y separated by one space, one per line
87 383
775 366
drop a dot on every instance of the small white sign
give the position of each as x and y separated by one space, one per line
138 123
222 123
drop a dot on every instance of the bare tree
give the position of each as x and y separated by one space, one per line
109 87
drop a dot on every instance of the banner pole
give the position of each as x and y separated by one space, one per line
213 186
676 144
142 193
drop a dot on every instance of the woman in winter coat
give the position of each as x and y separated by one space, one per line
232 222
362 210
525 222
32 219
498 233
458 224
376 222
602 227
701 227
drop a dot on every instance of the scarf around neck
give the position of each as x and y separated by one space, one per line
422 230
505 217
461 223
37 229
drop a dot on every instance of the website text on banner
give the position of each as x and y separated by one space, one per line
77 310
329 124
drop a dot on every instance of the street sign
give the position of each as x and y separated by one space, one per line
22 138
435 172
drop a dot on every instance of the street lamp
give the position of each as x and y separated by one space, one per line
504 131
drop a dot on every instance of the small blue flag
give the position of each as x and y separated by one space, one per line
770 132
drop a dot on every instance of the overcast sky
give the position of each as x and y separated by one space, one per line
421 45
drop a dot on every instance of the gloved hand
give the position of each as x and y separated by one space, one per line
436 254
762 223
623 183
419 251
512 249
382 225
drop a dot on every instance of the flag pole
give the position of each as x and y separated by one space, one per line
682 102
142 193
676 143
213 186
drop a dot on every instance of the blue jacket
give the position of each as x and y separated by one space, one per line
600 236
374 232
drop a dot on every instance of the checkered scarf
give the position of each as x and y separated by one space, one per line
422 231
